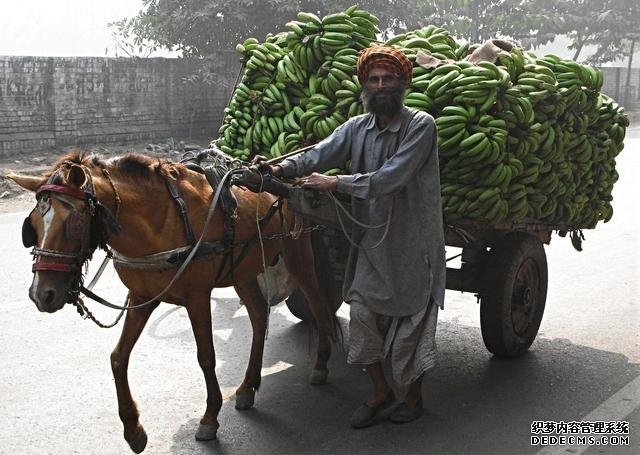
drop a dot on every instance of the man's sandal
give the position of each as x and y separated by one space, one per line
404 414
365 415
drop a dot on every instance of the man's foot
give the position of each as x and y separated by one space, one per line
404 414
366 414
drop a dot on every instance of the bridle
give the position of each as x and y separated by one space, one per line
90 226
96 228
77 227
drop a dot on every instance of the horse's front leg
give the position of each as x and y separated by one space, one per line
134 323
199 310
256 305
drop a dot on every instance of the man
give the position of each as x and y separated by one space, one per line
394 289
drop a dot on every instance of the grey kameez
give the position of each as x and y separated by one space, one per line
400 276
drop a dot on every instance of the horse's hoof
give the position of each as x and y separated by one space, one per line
318 376
245 401
139 442
207 432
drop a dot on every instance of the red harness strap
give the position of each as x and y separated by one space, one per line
53 267
63 189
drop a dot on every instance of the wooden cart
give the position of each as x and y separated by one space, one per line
503 264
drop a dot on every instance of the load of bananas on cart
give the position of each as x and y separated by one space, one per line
524 137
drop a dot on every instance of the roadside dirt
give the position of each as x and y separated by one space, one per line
15 199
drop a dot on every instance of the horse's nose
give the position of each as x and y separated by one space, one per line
46 298
49 296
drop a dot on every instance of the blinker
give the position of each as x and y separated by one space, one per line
75 225
29 237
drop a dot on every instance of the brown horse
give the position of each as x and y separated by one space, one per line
70 220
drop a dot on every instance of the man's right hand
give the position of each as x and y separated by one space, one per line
260 163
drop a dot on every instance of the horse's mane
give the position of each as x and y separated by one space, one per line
130 165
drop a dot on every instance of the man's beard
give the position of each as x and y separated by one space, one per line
387 102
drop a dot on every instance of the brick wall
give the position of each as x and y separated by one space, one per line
47 103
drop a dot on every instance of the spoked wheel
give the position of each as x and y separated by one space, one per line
514 295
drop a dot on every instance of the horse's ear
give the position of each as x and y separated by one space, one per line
28 182
76 176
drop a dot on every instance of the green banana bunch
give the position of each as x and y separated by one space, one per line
525 137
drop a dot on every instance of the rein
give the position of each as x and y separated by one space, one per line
182 267
84 222
386 224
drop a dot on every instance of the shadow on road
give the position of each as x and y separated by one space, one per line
474 402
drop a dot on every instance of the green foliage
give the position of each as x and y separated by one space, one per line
611 26
201 27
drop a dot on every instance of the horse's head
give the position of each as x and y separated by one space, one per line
64 229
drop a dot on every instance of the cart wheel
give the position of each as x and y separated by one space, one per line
298 306
513 300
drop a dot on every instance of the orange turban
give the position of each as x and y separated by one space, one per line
385 57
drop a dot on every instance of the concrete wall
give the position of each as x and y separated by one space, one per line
47 103
615 80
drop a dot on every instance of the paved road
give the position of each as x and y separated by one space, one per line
58 396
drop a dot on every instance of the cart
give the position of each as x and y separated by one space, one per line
504 264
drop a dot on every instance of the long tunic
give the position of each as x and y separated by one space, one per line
388 173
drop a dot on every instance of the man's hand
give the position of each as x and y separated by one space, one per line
259 164
320 182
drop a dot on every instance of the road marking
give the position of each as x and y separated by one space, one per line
620 405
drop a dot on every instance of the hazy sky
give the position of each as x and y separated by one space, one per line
79 28
61 27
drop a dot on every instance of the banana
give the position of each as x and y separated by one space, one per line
338 27
295 27
477 151
534 129
336 18
449 130
448 144
473 140
439 83
456 110
444 120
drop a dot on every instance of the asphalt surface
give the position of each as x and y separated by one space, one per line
58 395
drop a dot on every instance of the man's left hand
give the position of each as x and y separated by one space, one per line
320 182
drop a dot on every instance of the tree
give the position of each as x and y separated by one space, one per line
611 26
476 20
201 27
618 33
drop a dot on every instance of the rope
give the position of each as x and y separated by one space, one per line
351 241
86 314
36 251
115 192
359 223
264 262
